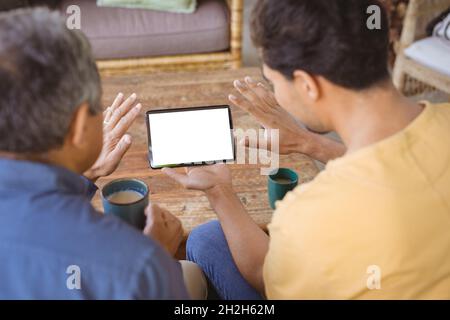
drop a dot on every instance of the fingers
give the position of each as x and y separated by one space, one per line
174 223
108 112
107 115
171 219
151 209
159 216
245 105
262 92
262 117
155 217
249 94
250 91
178 177
118 112
117 101
126 121
119 151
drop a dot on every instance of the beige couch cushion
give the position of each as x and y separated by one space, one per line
128 33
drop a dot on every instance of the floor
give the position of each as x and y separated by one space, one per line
169 90
183 89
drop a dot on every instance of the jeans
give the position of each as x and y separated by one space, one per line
207 247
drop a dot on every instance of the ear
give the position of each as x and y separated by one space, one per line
307 83
77 129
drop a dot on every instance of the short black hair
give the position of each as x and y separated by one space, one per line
46 72
329 38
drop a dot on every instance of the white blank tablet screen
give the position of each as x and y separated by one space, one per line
184 137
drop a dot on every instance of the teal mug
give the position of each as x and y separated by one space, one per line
281 182
127 200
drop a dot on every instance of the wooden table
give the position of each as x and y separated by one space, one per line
184 90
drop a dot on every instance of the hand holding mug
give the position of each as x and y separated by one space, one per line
164 227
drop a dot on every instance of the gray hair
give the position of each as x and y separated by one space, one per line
46 72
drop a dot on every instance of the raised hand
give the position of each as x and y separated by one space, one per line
118 118
258 101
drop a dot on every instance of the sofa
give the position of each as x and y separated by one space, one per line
132 40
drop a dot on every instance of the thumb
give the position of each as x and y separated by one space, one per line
152 210
175 175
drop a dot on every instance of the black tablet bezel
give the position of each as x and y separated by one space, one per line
149 138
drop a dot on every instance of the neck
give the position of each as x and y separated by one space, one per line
365 118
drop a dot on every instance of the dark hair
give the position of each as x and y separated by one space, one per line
46 72
329 38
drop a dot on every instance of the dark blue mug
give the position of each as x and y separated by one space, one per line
132 212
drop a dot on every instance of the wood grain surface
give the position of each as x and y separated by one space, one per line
171 90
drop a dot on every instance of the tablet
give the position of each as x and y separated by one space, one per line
189 136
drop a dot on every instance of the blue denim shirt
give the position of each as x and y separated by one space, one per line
54 245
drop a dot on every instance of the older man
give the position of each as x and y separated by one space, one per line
52 149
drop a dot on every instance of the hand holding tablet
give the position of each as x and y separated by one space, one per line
189 136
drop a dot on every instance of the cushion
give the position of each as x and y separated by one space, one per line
432 52
179 6
132 33
442 28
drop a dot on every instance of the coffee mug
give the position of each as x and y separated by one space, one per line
279 183
127 200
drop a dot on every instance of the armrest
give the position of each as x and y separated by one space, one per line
418 15
236 20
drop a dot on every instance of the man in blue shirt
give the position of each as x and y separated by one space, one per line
55 141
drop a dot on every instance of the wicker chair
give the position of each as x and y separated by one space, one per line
230 59
409 76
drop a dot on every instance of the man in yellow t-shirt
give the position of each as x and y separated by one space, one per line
375 224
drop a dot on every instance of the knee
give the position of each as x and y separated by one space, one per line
204 240
195 280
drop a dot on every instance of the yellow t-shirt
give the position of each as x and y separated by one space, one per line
374 224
